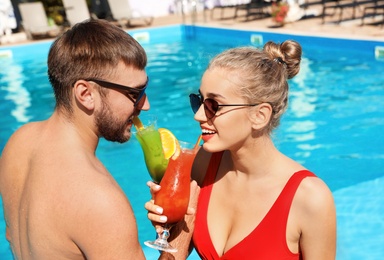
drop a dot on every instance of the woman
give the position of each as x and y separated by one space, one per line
255 202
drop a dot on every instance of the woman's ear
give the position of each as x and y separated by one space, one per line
261 116
83 92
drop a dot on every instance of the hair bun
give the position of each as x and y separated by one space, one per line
280 61
287 53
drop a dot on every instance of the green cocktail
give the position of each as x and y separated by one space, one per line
150 141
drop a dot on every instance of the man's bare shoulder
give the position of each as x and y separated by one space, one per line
101 210
25 135
16 152
96 188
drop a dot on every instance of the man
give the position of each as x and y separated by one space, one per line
60 202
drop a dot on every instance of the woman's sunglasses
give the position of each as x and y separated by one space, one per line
210 105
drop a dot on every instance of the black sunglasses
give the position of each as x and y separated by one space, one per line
210 105
134 94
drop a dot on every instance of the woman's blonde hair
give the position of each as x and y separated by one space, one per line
262 74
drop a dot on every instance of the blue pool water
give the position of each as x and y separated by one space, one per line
333 125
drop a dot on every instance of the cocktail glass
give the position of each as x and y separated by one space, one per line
150 142
173 196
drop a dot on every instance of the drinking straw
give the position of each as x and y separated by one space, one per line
198 142
137 123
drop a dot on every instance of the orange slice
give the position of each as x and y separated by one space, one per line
171 146
137 122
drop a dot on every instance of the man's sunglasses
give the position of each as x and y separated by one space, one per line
210 105
134 94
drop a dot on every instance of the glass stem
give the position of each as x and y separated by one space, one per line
164 236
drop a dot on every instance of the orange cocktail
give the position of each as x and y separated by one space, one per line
173 196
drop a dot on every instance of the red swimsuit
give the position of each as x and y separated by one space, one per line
266 241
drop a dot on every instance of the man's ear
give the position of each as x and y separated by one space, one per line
83 92
261 116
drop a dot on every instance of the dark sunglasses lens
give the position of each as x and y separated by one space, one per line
210 107
140 97
195 102
140 100
142 94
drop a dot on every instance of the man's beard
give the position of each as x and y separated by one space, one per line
109 126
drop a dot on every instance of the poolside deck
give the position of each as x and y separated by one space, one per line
308 26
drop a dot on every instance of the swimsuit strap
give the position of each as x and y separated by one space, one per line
212 169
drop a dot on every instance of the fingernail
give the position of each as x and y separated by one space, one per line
163 219
159 210
158 230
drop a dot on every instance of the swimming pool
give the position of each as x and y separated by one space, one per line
333 125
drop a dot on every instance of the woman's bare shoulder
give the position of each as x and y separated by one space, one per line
315 215
314 196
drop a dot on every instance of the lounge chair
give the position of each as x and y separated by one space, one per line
308 3
125 16
255 8
344 4
35 21
222 5
76 11
7 21
373 10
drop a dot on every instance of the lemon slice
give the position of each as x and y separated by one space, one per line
171 146
137 122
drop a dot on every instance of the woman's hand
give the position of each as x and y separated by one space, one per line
155 211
